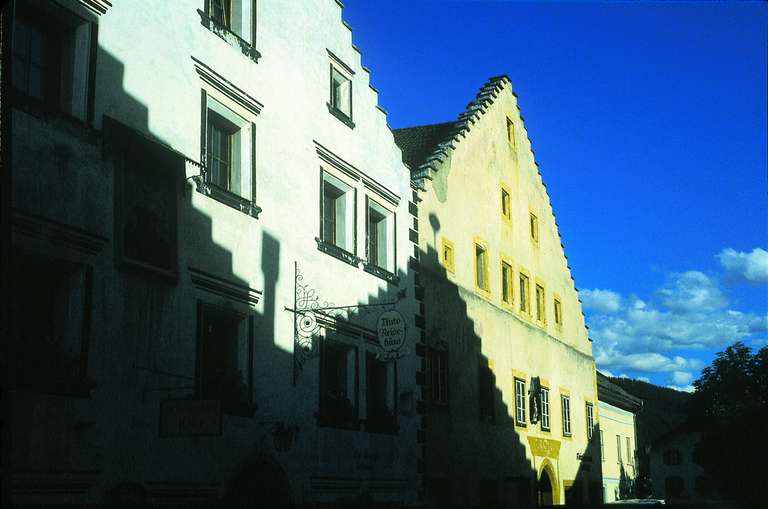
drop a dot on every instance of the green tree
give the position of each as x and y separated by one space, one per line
730 407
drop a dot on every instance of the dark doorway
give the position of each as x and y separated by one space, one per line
545 489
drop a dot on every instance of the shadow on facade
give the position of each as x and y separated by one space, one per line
475 456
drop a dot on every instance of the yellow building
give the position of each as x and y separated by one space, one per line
618 439
508 378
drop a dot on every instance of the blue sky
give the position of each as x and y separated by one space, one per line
649 125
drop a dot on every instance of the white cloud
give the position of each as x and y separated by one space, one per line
680 378
751 267
692 291
685 388
688 312
604 301
605 372
644 379
646 362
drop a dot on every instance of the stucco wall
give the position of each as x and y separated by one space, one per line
463 204
145 78
614 422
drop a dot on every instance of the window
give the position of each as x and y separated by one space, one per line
447 257
534 226
558 313
49 324
511 132
590 420
147 177
506 205
525 305
438 373
381 388
381 236
230 141
541 310
338 213
481 268
235 16
506 283
340 104
52 57
629 451
602 446
545 408
618 448
673 457
486 385
519 402
224 363
338 383
565 403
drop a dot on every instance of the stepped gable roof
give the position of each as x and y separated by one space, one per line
425 147
615 395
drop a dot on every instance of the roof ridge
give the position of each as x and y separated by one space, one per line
476 108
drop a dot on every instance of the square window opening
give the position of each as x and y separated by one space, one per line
224 361
381 236
51 60
341 93
229 150
338 213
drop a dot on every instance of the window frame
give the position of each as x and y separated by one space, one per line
55 33
619 460
520 397
245 407
541 302
506 267
589 413
450 266
506 204
136 156
545 409
78 385
511 135
239 105
441 376
333 248
337 67
226 32
524 291
380 424
484 289
533 222
565 412
326 417
602 446
558 311
391 216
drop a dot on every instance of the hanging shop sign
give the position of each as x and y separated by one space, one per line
390 329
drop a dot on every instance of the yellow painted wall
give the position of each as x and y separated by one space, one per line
463 205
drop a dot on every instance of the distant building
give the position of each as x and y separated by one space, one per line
618 439
676 473
509 377
203 195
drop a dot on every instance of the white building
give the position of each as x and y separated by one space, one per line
618 439
195 184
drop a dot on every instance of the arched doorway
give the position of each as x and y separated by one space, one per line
545 489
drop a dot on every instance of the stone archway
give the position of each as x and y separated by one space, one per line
547 486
